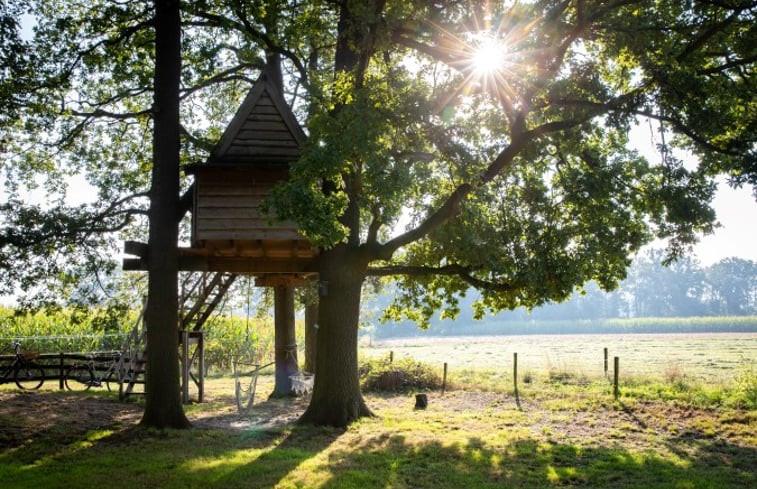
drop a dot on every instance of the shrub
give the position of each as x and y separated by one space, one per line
564 377
399 376
528 377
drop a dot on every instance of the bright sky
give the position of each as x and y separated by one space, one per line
736 212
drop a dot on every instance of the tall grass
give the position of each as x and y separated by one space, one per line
247 340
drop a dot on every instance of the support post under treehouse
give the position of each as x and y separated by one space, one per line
285 354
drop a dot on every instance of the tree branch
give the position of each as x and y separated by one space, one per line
727 66
224 76
676 123
100 113
462 272
448 209
451 206
714 30
374 227
246 27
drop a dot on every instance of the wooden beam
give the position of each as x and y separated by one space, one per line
134 264
136 248
286 280
253 265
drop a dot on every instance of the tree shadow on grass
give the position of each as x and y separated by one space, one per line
36 425
134 456
697 437
284 451
392 462
303 456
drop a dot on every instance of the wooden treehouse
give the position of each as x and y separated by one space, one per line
230 233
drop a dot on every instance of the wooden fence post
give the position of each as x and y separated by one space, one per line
444 378
61 373
184 366
606 366
616 374
515 379
201 365
391 356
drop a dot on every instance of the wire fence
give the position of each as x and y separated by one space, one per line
709 358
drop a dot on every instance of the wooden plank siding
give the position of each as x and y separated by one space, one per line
262 135
229 206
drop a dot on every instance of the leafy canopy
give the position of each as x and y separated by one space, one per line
515 178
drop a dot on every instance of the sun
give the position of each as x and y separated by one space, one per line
489 56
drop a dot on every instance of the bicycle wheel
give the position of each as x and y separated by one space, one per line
79 378
29 376
111 382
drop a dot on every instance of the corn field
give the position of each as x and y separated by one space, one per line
227 338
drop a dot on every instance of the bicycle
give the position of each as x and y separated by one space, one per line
83 376
26 373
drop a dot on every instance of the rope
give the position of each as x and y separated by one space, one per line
247 319
291 351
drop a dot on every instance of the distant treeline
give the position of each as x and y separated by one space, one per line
725 324
682 297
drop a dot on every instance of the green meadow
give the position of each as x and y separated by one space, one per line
699 357
675 429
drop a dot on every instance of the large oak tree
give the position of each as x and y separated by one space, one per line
452 144
162 397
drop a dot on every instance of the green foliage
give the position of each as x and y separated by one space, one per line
403 375
234 338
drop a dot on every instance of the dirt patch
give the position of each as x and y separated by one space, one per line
33 419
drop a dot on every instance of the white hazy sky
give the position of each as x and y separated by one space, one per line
736 209
737 236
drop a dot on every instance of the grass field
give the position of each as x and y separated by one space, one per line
656 435
709 357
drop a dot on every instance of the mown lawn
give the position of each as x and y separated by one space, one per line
563 435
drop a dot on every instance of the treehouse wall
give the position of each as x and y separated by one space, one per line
228 207
230 231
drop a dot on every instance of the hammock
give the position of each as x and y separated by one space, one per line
245 394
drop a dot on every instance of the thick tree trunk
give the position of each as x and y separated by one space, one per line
285 354
162 396
336 399
311 334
